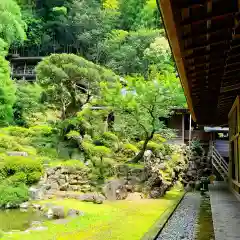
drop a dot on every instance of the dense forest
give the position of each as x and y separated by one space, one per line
102 91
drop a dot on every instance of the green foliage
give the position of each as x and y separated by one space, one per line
28 96
11 24
32 168
124 52
130 9
101 168
17 178
69 81
10 143
155 147
92 25
101 151
158 138
77 164
73 135
16 131
110 136
13 195
138 105
129 150
149 16
196 147
7 93
108 139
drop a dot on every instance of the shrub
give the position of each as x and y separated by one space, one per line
9 143
16 164
41 130
129 150
73 135
101 169
70 163
158 138
16 131
155 147
34 177
101 151
13 195
110 136
16 179
107 139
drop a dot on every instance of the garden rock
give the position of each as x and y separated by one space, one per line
64 187
16 154
36 193
115 189
67 179
74 213
56 212
147 155
36 206
162 166
25 205
92 197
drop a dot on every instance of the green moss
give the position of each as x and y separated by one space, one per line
205 228
69 163
118 220
136 165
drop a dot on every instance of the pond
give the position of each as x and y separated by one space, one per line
18 220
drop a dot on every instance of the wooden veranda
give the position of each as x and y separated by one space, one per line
205 39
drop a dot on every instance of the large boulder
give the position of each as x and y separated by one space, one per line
36 193
115 189
147 155
56 212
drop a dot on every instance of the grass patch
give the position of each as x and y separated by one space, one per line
119 220
205 228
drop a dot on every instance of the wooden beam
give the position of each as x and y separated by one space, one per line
210 32
210 17
171 30
230 88
205 45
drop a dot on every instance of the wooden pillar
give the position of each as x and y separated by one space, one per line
190 130
183 128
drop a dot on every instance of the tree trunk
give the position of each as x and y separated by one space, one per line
140 155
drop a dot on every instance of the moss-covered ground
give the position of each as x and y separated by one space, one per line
205 230
119 220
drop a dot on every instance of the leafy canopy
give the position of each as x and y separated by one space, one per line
70 81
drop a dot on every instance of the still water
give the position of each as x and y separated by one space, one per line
17 220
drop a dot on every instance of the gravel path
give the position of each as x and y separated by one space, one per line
182 223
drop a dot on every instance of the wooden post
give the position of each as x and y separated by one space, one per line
190 130
183 128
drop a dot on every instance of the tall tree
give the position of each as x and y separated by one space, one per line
91 23
139 104
129 10
11 29
124 52
11 23
70 81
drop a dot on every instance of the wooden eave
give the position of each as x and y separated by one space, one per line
174 43
204 36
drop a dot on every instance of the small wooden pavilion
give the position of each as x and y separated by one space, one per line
205 39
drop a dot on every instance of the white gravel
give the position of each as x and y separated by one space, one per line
182 223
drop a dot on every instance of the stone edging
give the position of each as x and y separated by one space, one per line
157 228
